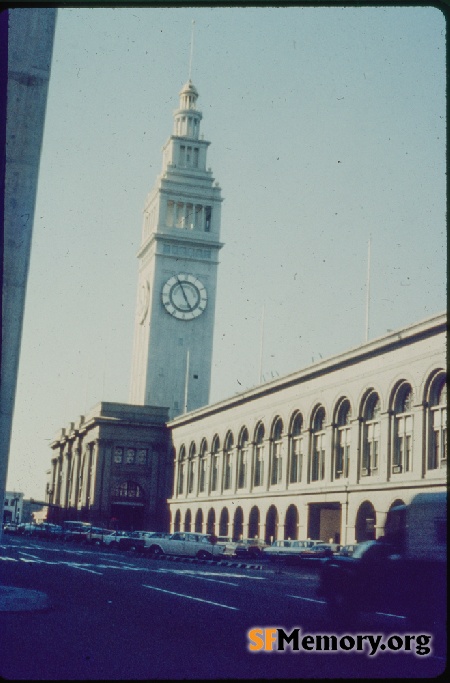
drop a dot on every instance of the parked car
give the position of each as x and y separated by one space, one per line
250 548
75 532
228 545
150 537
27 528
10 528
291 551
203 546
118 540
277 551
348 550
316 551
96 534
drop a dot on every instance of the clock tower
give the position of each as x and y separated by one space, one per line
178 259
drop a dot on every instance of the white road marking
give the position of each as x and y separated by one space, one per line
386 614
191 575
191 597
300 597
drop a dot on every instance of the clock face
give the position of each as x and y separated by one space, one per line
184 296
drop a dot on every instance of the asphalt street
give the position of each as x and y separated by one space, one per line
117 616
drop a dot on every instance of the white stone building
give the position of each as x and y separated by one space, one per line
13 507
323 452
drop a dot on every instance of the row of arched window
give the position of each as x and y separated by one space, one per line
298 451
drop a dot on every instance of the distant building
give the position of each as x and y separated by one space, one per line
112 468
13 507
322 453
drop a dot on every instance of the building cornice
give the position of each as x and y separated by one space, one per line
382 345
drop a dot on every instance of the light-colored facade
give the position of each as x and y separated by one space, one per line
322 453
178 261
13 507
112 468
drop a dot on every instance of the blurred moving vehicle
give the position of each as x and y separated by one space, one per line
250 548
403 573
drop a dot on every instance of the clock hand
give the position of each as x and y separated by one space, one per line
184 294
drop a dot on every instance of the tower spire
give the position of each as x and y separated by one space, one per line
192 51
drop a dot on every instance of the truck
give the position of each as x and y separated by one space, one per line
402 573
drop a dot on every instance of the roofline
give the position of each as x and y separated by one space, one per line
386 343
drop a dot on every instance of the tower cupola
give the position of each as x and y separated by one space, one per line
187 118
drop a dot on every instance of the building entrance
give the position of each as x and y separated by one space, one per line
324 522
127 516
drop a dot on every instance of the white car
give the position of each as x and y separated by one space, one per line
288 550
187 544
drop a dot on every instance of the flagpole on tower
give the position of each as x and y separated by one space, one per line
368 292
192 50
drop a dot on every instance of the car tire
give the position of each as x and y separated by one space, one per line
155 551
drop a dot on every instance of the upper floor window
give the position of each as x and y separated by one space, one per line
437 448
258 476
403 430
343 439
371 435
227 461
242 459
295 473
318 446
215 464
208 212
191 468
277 456
202 467
181 459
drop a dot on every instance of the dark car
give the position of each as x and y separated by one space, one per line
250 548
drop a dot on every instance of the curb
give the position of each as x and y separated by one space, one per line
219 563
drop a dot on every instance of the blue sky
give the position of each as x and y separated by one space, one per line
327 127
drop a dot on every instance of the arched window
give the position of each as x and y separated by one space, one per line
437 449
318 444
343 434
202 467
191 467
128 489
227 461
403 430
277 455
295 474
371 435
181 464
258 476
242 459
215 463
